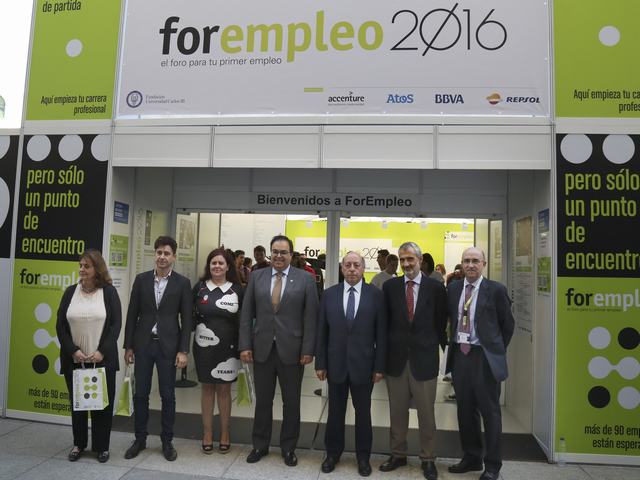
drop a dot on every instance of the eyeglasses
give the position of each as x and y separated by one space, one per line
474 261
276 253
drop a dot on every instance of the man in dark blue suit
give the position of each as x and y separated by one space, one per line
350 354
481 328
155 336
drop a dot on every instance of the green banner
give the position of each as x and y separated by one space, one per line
34 382
596 47
598 295
598 401
73 59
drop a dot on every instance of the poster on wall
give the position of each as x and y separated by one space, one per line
543 253
73 60
148 225
317 58
61 213
597 72
598 296
523 274
186 226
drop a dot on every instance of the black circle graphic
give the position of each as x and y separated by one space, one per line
40 364
86 395
599 397
94 379
629 338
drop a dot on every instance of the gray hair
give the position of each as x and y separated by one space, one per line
355 253
411 246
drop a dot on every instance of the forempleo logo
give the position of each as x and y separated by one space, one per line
494 98
134 99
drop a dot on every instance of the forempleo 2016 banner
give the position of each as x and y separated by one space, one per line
315 58
598 297
60 214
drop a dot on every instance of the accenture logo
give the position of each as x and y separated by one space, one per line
349 99
494 98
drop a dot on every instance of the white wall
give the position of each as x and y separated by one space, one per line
543 355
519 387
208 237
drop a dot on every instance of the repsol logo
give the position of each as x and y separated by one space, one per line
522 100
448 98
395 98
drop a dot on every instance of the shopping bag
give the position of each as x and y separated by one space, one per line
125 397
245 393
90 389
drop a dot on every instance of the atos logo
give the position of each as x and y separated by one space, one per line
447 98
395 98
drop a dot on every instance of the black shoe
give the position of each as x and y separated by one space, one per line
392 463
74 454
489 475
329 464
169 452
290 458
364 468
103 457
136 447
465 466
255 455
429 470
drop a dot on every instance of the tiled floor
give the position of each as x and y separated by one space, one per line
313 407
33 451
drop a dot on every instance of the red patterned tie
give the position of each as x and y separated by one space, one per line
466 327
410 284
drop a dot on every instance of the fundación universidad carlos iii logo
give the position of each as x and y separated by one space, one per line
134 99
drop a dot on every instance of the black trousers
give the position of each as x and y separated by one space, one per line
100 419
290 379
478 395
143 371
334 433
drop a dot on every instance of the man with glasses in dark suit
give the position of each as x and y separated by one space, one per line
277 335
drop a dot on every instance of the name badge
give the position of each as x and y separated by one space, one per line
463 337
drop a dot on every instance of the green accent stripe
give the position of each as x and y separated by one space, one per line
313 89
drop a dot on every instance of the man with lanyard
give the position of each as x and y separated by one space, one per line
482 326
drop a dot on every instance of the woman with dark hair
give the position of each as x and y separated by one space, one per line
217 303
88 326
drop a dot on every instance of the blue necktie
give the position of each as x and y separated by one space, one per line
351 307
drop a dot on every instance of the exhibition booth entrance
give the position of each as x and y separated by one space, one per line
244 208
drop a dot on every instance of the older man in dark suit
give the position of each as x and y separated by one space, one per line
283 301
417 312
481 327
155 336
350 354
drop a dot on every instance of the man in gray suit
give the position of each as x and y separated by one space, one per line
481 328
280 342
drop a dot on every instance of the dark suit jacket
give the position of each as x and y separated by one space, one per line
493 320
107 346
358 351
294 324
416 341
143 314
